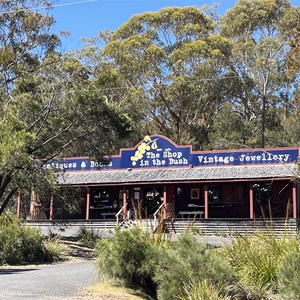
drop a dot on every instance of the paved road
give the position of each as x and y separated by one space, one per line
46 282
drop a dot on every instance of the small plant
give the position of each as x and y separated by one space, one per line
88 236
55 249
202 290
195 231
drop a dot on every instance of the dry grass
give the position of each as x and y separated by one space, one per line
112 290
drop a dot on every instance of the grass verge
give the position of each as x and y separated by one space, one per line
113 290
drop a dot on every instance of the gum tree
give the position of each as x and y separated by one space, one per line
260 31
48 107
167 69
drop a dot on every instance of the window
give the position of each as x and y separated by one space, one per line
101 198
262 192
214 194
195 194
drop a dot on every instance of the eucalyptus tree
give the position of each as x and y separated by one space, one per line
167 69
260 31
47 103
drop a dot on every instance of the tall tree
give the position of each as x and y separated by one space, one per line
47 103
257 28
167 69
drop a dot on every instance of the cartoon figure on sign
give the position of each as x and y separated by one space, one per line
146 145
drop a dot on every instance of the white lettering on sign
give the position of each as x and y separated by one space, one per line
244 158
61 166
181 161
163 158
152 155
265 157
215 159
94 164
169 154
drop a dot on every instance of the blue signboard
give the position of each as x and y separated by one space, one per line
157 151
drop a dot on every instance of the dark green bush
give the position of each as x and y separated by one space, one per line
129 256
188 261
164 268
21 244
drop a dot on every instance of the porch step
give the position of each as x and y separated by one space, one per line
234 227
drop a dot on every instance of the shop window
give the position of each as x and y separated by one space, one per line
262 192
214 194
101 198
195 194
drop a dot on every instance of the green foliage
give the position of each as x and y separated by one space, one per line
158 63
289 276
259 53
257 260
128 256
188 261
202 290
21 244
55 249
88 236
138 259
48 105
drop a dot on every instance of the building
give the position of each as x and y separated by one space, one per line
158 174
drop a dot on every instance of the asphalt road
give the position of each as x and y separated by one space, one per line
46 282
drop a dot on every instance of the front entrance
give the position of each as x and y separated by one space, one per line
153 198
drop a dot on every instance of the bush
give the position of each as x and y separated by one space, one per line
21 244
188 262
202 290
289 276
88 236
256 261
128 256
55 250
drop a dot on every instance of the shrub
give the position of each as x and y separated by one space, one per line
256 261
55 250
188 262
289 276
88 236
128 256
21 244
202 290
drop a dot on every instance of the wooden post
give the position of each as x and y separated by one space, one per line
124 203
18 204
51 208
87 213
205 201
251 200
294 195
165 203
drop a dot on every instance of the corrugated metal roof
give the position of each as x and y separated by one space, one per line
179 174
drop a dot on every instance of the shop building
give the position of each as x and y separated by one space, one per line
157 174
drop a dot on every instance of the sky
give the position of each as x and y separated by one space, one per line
88 17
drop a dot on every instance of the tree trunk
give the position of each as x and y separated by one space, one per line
6 201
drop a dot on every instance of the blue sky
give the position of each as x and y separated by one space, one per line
83 18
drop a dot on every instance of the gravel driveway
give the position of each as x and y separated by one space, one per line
56 281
